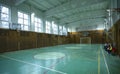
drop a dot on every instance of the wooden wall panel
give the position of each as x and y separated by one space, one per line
28 40
72 38
119 40
39 40
33 40
118 35
59 40
96 36
13 40
3 44
3 40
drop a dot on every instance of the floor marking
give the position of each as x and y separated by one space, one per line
105 62
53 65
32 64
98 61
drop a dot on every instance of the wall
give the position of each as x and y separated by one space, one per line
116 32
13 40
26 8
113 35
96 36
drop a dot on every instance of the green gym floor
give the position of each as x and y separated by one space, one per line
61 59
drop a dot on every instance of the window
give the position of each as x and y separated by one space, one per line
48 27
60 30
4 17
69 30
38 25
23 20
64 30
54 28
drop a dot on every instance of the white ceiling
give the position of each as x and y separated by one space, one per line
73 13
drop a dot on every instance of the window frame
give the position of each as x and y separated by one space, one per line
39 25
23 25
60 30
54 28
48 29
64 31
8 17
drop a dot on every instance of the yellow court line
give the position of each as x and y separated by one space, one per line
98 61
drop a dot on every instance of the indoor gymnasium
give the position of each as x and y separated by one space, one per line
59 36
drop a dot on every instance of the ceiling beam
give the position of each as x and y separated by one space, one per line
40 4
85 19
70 6
84 15
18 2
86 22
37 5
95 7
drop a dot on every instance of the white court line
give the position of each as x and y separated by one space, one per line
32 64
105 61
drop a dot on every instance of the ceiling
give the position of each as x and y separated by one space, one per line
82 14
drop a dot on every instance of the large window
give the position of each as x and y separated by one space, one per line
69 30
48 27
54 28
4 17
60 30
64 30
23 19
38 25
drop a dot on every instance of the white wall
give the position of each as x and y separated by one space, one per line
28 9
23 8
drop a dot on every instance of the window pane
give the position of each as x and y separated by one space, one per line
48 25
35 19
25 22
23 19
39 20
20 20
55 28
20 14
5 24
60 30
25 16
39 30
60 27
25 27
22 27
35 24
5 10
36 29
39 24
64 30
4 17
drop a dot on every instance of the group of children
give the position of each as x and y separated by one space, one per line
110 49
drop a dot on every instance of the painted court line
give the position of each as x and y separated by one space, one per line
53 65
98 61
32 64
105 61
